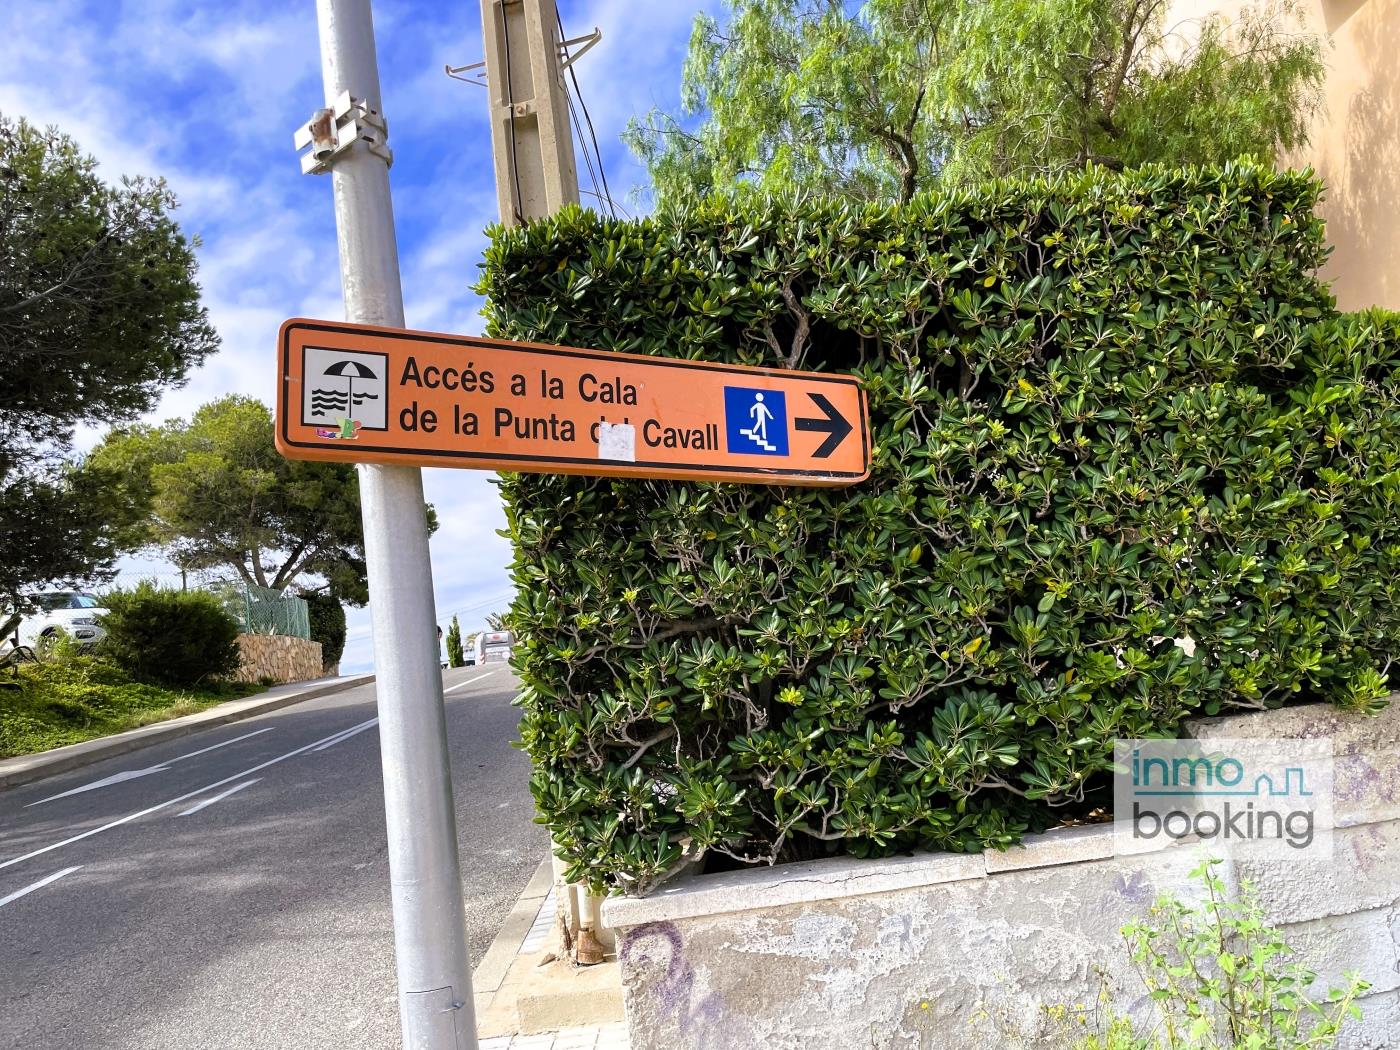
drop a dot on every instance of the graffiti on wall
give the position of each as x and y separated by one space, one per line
700 1022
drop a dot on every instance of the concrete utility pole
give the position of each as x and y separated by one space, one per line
530 131
532 143
430 940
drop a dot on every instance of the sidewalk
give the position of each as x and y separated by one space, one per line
526 1000
22 769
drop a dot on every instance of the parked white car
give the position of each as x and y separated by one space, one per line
73 613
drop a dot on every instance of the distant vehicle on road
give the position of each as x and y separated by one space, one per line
492 647
72 613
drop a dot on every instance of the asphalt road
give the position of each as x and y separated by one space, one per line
239 897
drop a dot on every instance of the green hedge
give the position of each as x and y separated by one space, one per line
1108 413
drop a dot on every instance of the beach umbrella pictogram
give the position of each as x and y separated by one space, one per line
350 371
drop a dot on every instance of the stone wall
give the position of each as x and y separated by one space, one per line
278 657
967 951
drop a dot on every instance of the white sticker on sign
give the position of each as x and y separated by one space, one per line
617 441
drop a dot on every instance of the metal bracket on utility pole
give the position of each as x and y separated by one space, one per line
332 131
479 79
566 59
588 40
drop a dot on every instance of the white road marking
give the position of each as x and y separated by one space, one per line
115 778
348 734
132 774
38 885
162 805
215 747
217 798
469 681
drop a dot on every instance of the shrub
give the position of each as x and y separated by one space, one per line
327 618
171 637
1108 413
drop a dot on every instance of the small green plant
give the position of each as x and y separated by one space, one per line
455 658
59 648
170 637
1221 977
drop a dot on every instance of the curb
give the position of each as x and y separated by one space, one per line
23 769
521 996
505 946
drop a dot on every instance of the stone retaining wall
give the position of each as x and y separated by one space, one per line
278 657
967 951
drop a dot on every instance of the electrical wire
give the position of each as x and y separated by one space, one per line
480 605
587 158
611 204
510 100
606 194
578 125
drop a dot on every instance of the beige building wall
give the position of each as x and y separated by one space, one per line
1354 142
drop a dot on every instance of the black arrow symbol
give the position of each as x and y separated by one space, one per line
835 426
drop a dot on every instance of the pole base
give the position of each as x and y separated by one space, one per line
588 951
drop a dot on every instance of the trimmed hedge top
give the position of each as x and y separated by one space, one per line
1129 466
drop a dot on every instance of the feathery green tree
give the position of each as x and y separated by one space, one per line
880 100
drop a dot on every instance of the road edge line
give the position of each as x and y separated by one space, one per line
25 769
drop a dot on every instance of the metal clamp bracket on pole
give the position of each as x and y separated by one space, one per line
332 131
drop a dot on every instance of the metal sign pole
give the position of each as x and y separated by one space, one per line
348 139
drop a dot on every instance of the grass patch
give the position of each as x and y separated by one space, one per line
82 697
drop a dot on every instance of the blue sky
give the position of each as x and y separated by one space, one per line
208 95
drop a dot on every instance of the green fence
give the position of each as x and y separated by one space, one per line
262 610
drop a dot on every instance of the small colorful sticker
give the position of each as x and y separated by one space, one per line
346 430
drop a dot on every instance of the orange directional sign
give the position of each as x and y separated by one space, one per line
360 394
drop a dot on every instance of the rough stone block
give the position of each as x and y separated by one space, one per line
1365 941
277 658
1379 1027
1365 748
790 884
1362 874
1349 729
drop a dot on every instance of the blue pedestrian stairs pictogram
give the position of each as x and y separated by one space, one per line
755 421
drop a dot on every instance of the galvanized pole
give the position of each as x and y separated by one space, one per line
430 940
